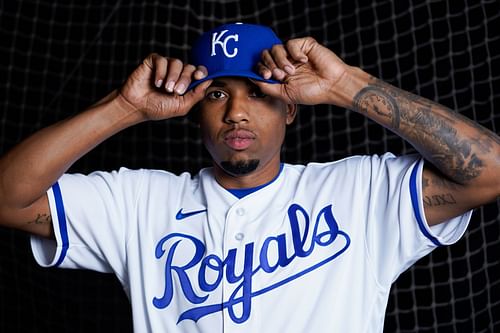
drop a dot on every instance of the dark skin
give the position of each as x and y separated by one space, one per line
464 168
460 150
239 123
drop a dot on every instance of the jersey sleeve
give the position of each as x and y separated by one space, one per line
397 233
91 217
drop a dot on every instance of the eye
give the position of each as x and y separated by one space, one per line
216 94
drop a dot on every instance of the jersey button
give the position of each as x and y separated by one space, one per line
240 211
239 236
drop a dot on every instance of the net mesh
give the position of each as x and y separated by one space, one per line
60 57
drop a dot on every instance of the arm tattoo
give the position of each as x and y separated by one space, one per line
439 200
41 219
430 127
370 97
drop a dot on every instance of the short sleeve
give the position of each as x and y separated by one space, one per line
91 219
397 233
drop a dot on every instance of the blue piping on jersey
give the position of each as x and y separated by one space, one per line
61 218
415 205
243 192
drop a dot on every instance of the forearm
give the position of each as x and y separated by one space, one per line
465 152
30 168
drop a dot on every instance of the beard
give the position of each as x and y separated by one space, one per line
239 168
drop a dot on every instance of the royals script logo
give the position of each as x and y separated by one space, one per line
313 245
218 39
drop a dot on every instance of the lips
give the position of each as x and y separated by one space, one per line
239 139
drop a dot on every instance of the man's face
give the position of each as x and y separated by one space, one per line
243 129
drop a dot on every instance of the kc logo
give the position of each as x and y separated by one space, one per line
217 39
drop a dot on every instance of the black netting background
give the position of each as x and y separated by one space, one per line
60 57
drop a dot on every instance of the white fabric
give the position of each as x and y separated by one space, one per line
314 251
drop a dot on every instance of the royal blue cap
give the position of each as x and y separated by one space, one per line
233 50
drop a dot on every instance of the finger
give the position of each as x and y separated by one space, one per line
268 61
159 65
149 60
273 70
197 93
271 89
175 67
200 73
264 71
199 90
296 50
280 57
184 79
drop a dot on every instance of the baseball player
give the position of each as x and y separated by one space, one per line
252 244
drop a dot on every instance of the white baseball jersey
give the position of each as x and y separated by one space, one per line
315 250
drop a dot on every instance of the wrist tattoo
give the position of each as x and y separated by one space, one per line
384 105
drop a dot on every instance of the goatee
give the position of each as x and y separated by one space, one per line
239 167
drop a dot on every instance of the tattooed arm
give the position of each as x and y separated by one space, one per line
29 169
465 157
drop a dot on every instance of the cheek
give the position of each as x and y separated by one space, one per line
274 128
207 134
207 120
210 139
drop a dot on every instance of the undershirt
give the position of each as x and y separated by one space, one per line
242 192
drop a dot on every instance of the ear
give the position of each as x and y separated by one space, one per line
291 112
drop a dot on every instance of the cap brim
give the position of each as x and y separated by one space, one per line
250 75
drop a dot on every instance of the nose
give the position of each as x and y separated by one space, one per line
237 110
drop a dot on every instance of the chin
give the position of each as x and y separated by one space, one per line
241 167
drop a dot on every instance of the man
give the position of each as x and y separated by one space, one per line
251 244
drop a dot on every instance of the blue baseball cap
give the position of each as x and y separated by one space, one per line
232 50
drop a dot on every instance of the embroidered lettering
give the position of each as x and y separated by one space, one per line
186 256
216 40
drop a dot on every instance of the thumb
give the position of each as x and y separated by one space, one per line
197 93
271 89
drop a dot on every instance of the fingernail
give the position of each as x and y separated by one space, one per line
278 73
289 69
200 75
158 83
180 89
170 86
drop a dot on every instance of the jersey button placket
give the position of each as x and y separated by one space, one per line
240 211
234 239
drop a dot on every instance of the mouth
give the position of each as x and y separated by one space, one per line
239 139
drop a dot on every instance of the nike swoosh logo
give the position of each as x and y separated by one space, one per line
182 215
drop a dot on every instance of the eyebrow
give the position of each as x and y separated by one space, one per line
218 83
222 84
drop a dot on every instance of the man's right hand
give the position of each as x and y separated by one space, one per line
157 88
